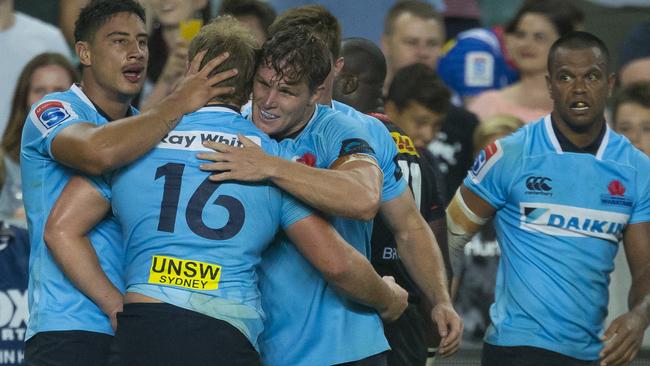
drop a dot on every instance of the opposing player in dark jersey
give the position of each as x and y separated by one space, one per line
359 84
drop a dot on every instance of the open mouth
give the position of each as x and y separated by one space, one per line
133 73
579 106
268 116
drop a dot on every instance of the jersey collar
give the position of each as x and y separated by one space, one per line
561 144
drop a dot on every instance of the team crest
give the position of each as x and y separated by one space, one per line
485 160
53 112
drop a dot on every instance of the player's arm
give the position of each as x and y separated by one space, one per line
97 149
79 208
345 268
351 188
466 214
624 336
418 250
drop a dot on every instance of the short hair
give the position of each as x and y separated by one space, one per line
98 12
419 83
296 54
223 34
564 16
315 18
259 9
577 41
418 8
362 56
12 135
636 45
637 93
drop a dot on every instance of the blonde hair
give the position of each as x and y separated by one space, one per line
495 127
223 34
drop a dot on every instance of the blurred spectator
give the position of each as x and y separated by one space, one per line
44 74
417 102
634 61
461 15
256 14
413 33
476 61
68 14
167 48
473 288
530 35
22 37
631 114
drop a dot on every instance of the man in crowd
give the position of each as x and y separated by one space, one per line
71 130
559 232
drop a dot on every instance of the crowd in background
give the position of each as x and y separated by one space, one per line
484 83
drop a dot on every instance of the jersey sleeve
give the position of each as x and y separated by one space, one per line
343 136
102 184
490 175
641 212
50 116
292 210
386 153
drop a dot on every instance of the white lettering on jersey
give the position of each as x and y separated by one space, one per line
561 220
193 140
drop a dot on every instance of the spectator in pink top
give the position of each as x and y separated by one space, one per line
530 34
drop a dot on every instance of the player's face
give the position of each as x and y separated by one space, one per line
45 80
171 12
633 121
420 123
531 41
579 86
119 54
280 108
414 40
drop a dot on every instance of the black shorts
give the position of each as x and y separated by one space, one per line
408 338
69 347
166 335
375 360
527 356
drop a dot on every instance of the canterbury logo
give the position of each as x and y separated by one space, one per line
538 184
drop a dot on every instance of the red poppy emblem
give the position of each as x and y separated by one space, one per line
307 159
616 188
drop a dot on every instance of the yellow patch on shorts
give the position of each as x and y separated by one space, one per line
186 273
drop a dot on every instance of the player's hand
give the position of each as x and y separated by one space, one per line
450 328
623 339
197 88
400 301
111 305
248 163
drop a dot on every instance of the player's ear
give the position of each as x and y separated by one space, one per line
317 94
82 49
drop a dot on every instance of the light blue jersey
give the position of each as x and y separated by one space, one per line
194 243
560 216
55 304
308 322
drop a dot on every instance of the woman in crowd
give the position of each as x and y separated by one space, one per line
167 47
529 37
46 73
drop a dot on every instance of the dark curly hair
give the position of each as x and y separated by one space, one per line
296 54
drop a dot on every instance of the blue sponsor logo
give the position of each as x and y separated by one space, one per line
51 113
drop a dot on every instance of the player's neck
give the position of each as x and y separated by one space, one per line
7 16
114 105
580 138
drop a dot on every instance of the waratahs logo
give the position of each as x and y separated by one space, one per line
616 196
